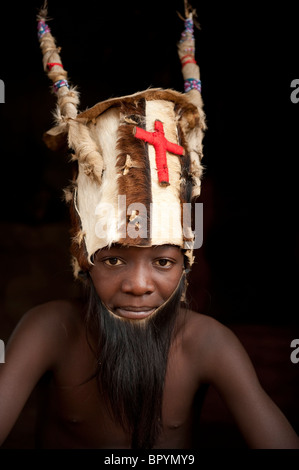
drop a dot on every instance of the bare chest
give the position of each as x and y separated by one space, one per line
78 416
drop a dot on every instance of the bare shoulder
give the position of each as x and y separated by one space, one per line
211 344
204 331
51 327
53 315
217 357
38 344
60 314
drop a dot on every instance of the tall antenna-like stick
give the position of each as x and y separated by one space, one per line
67 97
186 52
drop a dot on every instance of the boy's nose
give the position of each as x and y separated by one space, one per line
138 281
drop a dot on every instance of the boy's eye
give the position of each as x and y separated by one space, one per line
163 263
112 261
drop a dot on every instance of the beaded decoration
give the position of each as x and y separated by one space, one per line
188 51
191 84
60 84
188 35
189 29
42 28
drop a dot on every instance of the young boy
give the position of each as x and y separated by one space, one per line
139 345
127 366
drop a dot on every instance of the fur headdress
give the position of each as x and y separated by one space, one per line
139 157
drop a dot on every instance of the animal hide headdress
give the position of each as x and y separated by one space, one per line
139 157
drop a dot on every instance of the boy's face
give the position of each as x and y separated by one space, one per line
133 282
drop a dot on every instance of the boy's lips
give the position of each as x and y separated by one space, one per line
134 312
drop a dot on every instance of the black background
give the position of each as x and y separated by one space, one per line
248 58
247 270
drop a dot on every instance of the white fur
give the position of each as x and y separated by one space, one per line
97 204
166 207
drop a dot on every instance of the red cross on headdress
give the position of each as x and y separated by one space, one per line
161 145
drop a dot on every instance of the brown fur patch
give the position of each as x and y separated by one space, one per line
150 94
134 179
